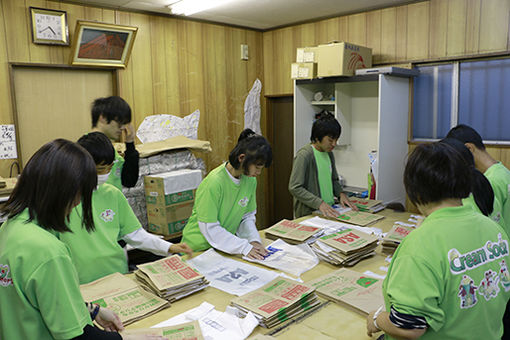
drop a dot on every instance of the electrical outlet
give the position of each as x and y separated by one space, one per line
244 52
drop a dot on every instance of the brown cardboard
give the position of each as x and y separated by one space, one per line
177 142
186 331
170 219
342 59
303 70
307 54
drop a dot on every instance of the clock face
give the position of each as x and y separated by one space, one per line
48 26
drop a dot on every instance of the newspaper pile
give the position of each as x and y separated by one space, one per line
170 278
345 247
393 238
185 331
368 205
277 302
358 217
124 296
351 288
293 233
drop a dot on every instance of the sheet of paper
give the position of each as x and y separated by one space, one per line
231 276
331 226
8 142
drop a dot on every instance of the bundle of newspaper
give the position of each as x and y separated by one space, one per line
293 233
124 296
170 278
345 247
352 288
278 301
393 238
185 331
368 205
352 217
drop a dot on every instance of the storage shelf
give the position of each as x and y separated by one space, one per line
324 102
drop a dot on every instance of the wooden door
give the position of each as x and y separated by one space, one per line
55 103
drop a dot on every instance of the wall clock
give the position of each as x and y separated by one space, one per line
49 26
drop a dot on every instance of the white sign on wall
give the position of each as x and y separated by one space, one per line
8 142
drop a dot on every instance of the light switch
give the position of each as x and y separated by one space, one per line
244 52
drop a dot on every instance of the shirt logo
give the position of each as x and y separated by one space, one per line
243 202
4 276
107 215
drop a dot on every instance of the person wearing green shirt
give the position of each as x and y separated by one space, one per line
223 215
39 290
449 278
314 182
112 116
97 254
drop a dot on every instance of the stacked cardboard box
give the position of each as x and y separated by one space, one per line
277 302
393 238
170 278
293 233
169 198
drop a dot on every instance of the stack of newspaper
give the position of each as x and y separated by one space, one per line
124 296
293 233
393 238
352 288
278 301
345 247
184 331
368 205
170 278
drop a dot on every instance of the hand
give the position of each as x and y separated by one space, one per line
109 320
327 210
258 252
181 248
371 329
129 131
344 201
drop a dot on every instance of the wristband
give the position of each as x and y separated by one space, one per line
376 314
94 312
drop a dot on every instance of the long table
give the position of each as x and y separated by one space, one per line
332 321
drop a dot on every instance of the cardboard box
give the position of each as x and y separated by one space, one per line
303 70
306 54
169 220
342 59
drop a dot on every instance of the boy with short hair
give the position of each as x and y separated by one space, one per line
111 116
97 254
314 182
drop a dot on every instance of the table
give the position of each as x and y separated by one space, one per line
333 321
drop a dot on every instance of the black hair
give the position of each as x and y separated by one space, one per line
325 125
435 172
57 174
99 147
111 108
480 187
255 148
466 134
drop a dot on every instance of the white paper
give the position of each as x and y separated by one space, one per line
8 142
372 274
160 127
252 108
331 227
231 276
405 224
214 324
292 259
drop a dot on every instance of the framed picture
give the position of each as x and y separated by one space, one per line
49 26
98 44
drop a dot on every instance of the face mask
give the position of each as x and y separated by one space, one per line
102 178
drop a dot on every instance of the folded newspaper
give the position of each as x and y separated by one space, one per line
185 331
170 278
351 288
278 301
393 238
353 217
345 247
368 205
293 233
124 296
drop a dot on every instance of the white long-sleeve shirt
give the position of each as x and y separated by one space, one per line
143 240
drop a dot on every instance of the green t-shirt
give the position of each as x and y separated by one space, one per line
324 175
115 174
219 199
98 254
499 177
452 271
39 291
497 212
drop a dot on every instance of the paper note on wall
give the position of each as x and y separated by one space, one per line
8 142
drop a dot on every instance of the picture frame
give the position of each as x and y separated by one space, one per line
101 44
49 26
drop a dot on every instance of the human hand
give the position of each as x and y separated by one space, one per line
109 320
180 248
258 252
129 132
344 201
371 329
327 210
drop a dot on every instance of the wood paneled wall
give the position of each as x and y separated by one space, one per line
423 31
